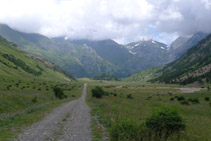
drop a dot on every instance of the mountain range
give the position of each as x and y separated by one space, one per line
85 58
182 44
194 65
15 63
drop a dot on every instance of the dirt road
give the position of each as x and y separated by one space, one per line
69 122
183 90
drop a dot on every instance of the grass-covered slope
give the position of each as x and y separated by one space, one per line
125 108
15 63
79 60
26 89
194 65
144 76
106 76
181 46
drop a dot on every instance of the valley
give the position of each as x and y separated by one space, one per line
105 70
132 91
86 58
131 104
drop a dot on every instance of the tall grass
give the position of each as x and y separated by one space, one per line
112 109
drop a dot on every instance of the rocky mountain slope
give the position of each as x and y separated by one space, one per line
153 52
194 65
85 58
182 44
17 64
79 60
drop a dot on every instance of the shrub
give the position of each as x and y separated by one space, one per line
184 102
124 130
73 95
129 96
170 93
194 100
206 98
21 64
106 93
208 88
149 97
165 122
180 98
115 94
34 100
59 93
172 99
98 92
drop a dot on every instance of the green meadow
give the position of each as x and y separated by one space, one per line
24 102
137 101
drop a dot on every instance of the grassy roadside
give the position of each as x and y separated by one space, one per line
98 130
24 102
112 108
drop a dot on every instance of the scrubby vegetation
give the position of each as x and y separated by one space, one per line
132 119
124 129
22 65
206 98
59 93
26 89
164 122
106 76
21 106
98 92
191 62
129 96
160 125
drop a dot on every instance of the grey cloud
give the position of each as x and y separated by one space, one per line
123 21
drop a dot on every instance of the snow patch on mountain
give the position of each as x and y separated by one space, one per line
137 44
132 52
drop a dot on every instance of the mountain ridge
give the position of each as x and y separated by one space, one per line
68 56
193 65
85 58
16 63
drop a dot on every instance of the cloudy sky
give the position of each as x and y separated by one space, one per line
121 20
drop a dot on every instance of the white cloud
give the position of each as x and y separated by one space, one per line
121 20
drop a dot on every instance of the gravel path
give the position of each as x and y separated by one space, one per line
189 90
183 90
69 122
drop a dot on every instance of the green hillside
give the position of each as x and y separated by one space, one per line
181 45
26 88
14 63
79 60
194 65
106 76
144 76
